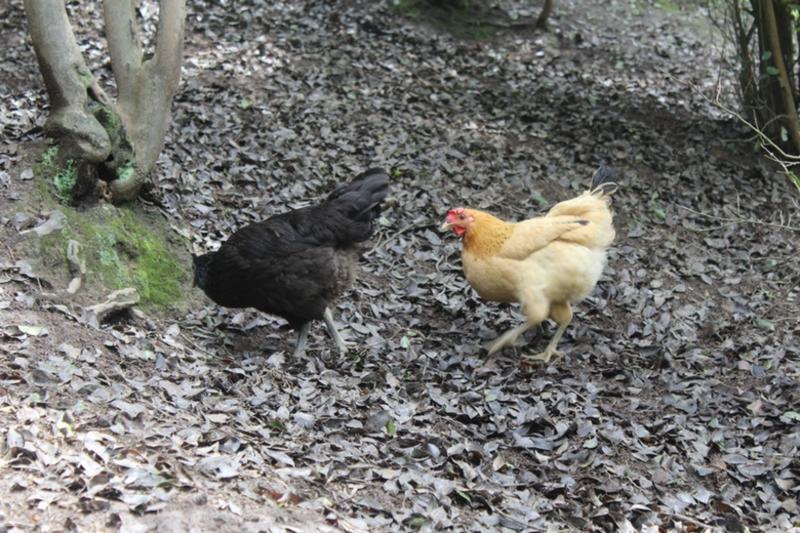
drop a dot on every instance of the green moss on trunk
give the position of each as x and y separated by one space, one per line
120 251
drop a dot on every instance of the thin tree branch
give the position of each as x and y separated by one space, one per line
54 41
169 43
66 78
124 47
761 135
689 519
739 220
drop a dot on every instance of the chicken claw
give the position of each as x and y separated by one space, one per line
550 350
302 339
509 338
543 357
340 344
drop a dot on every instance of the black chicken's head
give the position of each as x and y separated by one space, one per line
201 263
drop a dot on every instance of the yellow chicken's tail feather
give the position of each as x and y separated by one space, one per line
604 181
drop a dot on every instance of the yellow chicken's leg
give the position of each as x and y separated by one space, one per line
536 313
508 338
561 313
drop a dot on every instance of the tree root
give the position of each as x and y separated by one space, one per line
115 302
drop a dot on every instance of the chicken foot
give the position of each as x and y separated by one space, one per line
562 314
328 316
302 339
550 350
509 337
536 311
302 335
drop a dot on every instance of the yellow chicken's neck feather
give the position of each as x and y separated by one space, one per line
487 234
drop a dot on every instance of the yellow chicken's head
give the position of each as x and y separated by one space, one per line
459 220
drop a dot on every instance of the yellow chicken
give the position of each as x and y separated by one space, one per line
546 263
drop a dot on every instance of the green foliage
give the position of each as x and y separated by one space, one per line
391 428
85 77
120 251
106 116
64 181
668 5
795 179
657 210
62 176
49 156
276 424
126 171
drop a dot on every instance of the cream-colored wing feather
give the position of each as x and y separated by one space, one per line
534 234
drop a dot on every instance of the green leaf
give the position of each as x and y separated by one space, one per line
404 342
772 71
784 134
766 55
766 324
416 521
659 213
464 495
391 428
795 179
33 331
791 415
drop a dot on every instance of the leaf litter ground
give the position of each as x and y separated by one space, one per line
674 407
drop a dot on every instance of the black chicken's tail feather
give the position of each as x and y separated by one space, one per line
351 209
604 181
364 194
368 181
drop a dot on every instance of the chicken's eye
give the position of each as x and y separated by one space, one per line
461 216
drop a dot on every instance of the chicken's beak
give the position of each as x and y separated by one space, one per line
446 226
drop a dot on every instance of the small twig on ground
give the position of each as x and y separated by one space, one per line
195 346
115 302
413 225
741 220
694 521
10 252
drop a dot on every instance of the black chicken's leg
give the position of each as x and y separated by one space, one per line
302 338
328 316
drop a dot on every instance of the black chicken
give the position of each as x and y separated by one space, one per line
296 264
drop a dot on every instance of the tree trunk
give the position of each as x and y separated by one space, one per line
770 103
544 14
122 140
773 37
785 30
145 87
748 84
68 81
